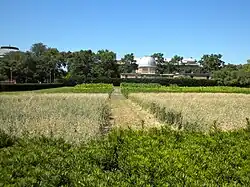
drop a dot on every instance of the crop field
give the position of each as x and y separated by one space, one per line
90 136
74 117
201 110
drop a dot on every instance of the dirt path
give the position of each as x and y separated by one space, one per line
128 114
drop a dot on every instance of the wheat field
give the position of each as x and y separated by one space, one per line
74 117
227 111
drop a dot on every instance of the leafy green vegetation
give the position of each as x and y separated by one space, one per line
233 75
133 88
141 85
81 88
158 157
27 87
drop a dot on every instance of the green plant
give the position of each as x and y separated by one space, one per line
248 124
6 140
155 157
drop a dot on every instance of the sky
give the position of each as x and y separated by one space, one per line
189 28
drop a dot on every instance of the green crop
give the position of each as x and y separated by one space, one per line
158 157
133 88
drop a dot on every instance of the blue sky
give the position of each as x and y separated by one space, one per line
189 28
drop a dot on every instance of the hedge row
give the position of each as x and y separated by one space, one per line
133 88
142 85
27 87
161 81
157 157
80 88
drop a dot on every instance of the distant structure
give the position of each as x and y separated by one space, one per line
147 68
6 49
146 65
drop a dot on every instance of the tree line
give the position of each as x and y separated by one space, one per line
46 65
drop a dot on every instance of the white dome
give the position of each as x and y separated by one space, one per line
146 61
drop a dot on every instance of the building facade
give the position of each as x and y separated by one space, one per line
6 49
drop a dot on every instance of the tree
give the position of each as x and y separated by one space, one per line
129 64
177 60
80 65
233 75
246 67
106 66
174 63
160 63
38 49
54 61
12 66
211 62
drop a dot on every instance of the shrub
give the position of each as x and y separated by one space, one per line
161 81
94 88
133 88
157 157
27 87
81 88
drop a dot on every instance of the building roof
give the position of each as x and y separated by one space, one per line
146 61
7 49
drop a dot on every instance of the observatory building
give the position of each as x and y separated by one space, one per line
146 65
6 49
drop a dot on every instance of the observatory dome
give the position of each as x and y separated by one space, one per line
146 61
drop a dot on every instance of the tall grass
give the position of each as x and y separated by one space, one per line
198 110
74 117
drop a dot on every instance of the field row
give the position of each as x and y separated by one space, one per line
74 117
197 111
45 139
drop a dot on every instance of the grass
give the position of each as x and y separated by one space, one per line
199 110
158 157
74 117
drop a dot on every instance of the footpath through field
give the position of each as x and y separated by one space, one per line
125 113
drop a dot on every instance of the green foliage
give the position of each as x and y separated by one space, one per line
232 75
143 85
6 140
128 64
161 81
27 87
211 62
158 157
80 64
127 88
40 64
161 66
81 88
94 88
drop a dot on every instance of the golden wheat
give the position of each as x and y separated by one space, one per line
228 111
74 117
